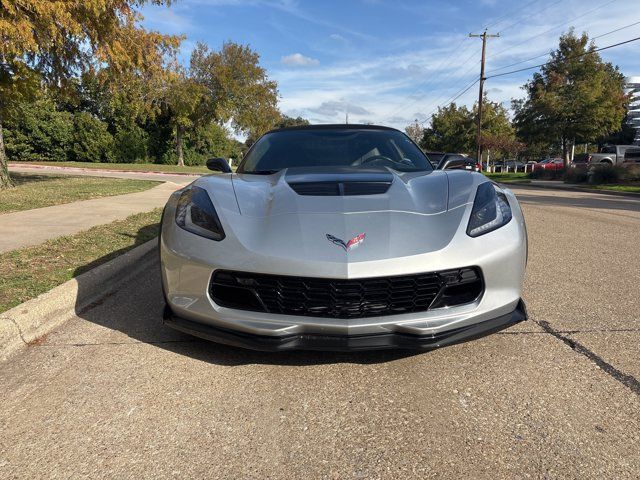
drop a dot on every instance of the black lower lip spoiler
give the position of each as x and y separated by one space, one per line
339 343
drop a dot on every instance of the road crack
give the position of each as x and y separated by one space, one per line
628 381
17 328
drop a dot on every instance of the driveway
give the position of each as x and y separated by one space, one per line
115 394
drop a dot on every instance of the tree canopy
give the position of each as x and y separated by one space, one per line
576 97
52 40
453 129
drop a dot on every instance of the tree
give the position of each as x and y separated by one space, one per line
55 39
287 121
575 96
225 87
184 99
284 122
415 131
238 90
453 128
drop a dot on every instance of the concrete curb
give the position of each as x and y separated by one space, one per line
108 170
26 323
571 189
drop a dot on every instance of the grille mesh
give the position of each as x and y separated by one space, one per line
332 298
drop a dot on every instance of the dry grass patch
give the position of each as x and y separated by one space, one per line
38 190
30 271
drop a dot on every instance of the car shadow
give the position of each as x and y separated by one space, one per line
134 307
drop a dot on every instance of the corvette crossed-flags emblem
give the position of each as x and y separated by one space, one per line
353 243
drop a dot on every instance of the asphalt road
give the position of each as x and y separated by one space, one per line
113 394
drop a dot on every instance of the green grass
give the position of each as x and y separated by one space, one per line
613 187
519 177
31 271
37 190
127 167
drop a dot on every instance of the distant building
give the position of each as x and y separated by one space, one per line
633 117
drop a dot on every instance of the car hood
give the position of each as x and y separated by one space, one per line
418 213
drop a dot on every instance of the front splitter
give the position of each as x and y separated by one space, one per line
345 343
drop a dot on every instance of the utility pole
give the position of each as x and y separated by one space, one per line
484 35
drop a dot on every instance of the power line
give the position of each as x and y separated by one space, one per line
553 28
445 77
547 53
567 58
508 14
616 30
537 12
468 87
450 100
452 57
429 81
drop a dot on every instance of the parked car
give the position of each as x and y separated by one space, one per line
632 156
469 163
610 154
580 160
435 157
513 166
553 164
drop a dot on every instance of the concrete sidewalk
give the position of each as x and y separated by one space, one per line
32 227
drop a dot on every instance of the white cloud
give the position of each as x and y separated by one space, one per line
299 60
332 108
337 37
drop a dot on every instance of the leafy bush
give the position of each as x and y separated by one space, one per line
92 142
37 131
130 145
542 174
606 174
632 174
576 175
204 143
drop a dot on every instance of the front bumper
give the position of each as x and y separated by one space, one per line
378 341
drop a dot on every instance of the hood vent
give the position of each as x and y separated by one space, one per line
339 181
339 189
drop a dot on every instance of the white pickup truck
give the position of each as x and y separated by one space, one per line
610 154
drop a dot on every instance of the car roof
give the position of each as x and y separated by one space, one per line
335 126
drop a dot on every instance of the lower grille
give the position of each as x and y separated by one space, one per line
335 298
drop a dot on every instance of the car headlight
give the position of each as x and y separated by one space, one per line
196 214
491 210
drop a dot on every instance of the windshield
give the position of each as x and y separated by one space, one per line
334 148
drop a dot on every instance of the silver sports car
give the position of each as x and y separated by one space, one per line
341 237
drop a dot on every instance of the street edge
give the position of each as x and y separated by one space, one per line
569 188
30 321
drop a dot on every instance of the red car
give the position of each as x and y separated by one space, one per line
554 164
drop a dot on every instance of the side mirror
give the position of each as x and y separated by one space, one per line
218 165
453 164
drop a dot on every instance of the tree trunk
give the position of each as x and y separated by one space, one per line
179 139
5 179
565 152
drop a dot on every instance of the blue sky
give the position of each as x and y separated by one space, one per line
391 61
